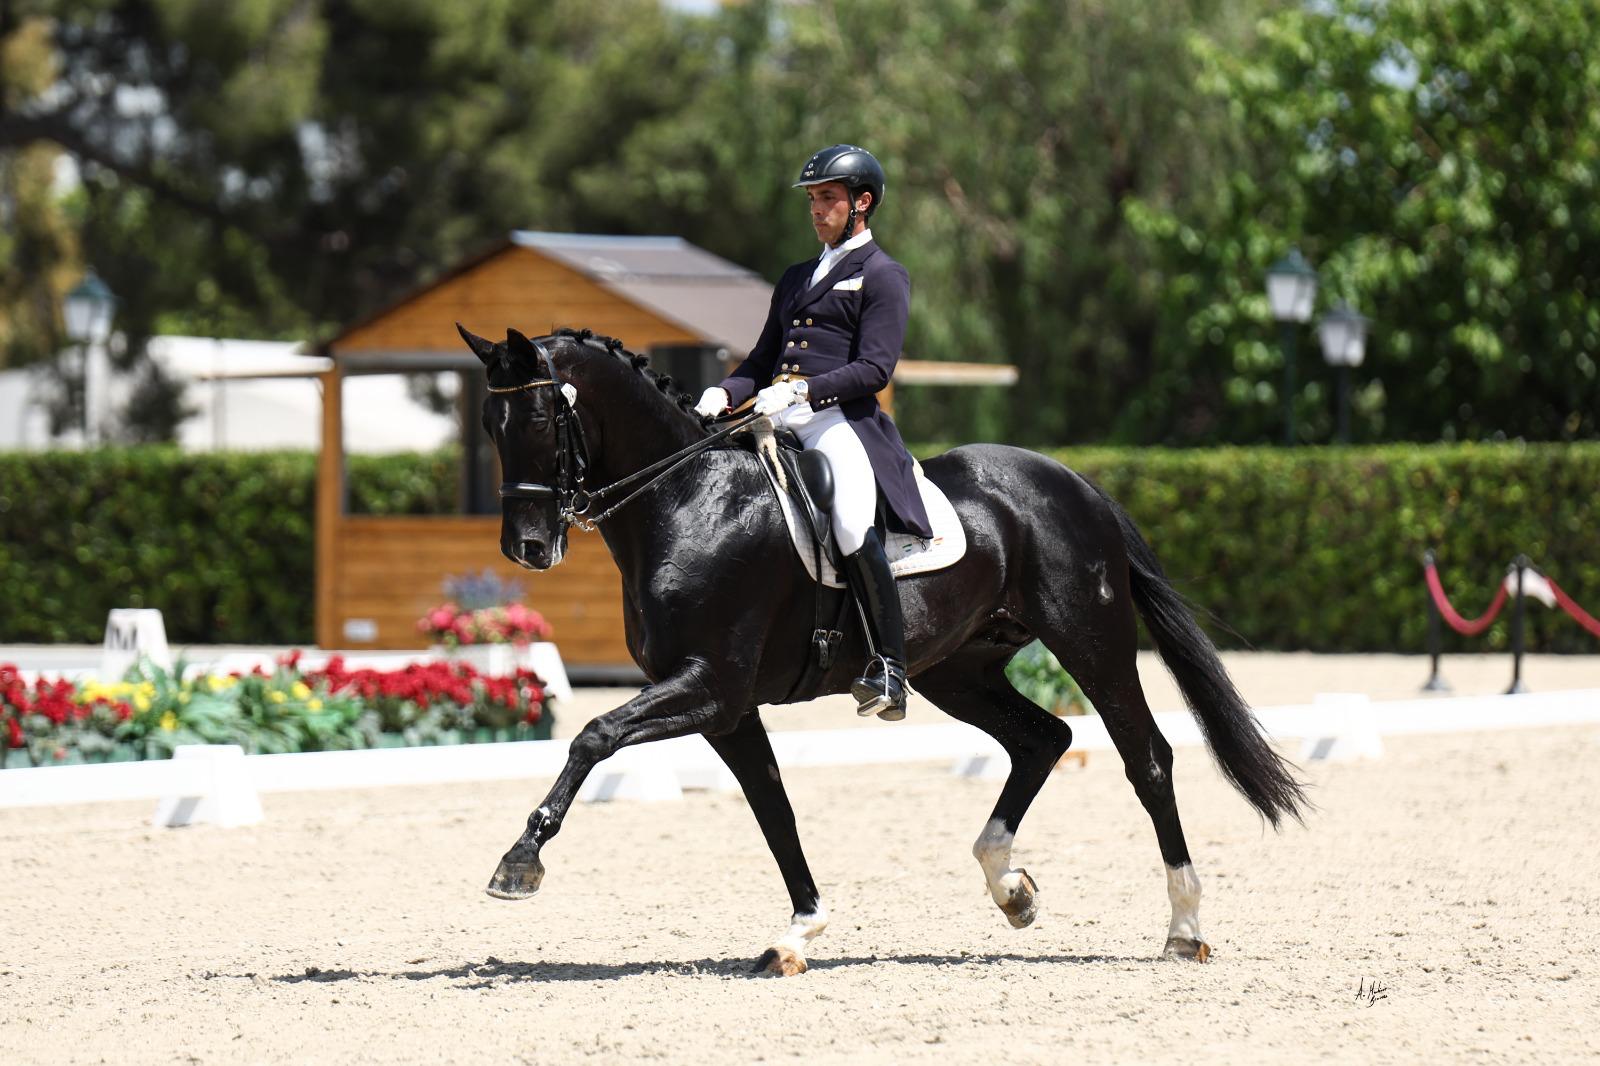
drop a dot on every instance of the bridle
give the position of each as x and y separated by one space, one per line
573 501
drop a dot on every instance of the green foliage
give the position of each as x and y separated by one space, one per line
1435 161
1038 675
221 543
1314 549
1320 549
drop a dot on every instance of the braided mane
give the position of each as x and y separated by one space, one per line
640 363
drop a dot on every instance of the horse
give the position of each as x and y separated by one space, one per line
718 614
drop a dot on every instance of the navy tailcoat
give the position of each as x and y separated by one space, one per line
844 334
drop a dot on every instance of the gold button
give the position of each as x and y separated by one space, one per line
804 344
808 322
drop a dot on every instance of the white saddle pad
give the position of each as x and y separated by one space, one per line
907 554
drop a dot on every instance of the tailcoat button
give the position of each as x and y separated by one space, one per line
805 344
797 322
808 322
791 344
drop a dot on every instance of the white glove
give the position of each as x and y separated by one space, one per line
714 401
775 398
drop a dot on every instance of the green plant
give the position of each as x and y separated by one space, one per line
1037 675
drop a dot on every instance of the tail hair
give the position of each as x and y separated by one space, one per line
1231 731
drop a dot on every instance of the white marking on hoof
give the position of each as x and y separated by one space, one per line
1183 935
1013 890
787 957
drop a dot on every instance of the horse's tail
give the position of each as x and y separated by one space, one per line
1231 731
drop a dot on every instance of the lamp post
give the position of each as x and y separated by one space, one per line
87 312
1291 290
1344 344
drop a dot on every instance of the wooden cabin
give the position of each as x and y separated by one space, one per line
689 309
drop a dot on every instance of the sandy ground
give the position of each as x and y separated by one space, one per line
1458 872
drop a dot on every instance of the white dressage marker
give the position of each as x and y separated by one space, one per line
1349 729
224 795
132 633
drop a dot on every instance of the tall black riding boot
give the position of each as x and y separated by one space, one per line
882 690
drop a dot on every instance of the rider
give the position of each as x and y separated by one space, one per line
830 343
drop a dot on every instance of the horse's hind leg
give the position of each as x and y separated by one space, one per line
748 753
1110 678
971 686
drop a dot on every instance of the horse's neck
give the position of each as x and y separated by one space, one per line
642 427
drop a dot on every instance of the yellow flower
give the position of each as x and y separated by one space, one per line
300 690
183 697
315 705
169 721
142 702
276 696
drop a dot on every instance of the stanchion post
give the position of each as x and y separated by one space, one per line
1520 564
1436 683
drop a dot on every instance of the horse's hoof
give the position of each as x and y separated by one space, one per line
516 880
1022 906
780 962
1186 947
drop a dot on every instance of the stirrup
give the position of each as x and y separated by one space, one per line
874 692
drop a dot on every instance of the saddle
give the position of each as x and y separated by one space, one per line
803 483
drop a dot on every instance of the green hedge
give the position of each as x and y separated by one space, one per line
1315 548
1320 548
222 543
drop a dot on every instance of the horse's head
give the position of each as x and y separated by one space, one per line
536 432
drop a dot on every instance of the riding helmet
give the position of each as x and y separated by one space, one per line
846 163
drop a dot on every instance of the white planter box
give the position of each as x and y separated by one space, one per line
501 660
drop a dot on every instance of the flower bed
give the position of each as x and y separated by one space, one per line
152 711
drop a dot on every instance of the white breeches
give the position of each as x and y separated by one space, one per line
855 490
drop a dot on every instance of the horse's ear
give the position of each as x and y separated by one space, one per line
517 344
481 348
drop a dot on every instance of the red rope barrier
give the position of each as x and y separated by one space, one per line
1448 613
1579 615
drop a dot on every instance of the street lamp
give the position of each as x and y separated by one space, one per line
1291 290
1344 344
87 312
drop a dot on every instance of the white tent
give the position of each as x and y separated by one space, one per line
249 395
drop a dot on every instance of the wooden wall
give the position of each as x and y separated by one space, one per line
390 570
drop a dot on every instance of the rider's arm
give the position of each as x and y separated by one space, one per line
757 369
885 306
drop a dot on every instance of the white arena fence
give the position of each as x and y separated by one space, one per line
221 785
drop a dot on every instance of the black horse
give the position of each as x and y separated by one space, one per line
719 612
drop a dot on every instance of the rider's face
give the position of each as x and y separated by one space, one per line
830 209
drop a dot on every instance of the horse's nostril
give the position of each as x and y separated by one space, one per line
532 549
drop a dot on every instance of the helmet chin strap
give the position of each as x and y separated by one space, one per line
849 223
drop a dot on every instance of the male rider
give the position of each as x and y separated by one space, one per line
831 341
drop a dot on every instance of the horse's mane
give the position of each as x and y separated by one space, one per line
640 363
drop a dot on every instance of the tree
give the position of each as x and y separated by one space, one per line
1437 162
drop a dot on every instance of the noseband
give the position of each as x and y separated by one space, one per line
572 457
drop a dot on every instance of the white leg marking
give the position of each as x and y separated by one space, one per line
992 849
1183 888
803 929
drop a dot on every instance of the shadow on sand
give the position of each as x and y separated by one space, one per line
494 971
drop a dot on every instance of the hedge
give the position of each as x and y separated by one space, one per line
222 543
1311 548
1320 549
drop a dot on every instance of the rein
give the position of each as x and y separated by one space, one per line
572 459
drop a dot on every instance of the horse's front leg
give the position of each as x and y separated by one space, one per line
748 753
682 704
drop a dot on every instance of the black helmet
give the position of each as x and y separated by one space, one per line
845 163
